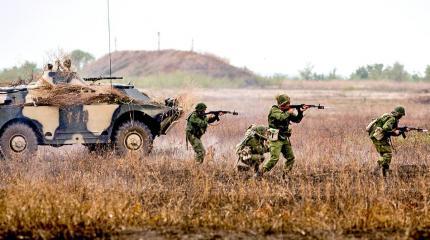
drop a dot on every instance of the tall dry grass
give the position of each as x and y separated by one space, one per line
65 192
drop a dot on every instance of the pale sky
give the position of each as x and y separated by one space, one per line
271 36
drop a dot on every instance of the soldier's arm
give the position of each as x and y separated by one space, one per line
212 119
388 126
257 146
278 115
296 118
197 122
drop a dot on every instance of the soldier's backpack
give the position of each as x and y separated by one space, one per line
248 135
375 125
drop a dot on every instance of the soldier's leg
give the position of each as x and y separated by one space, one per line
386 154
287 151
275 151
256 160
198 148
242 165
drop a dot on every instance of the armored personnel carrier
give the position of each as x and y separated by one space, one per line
125 128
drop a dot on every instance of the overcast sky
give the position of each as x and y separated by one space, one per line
270 36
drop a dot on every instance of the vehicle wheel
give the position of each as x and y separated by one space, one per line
18 142
133 137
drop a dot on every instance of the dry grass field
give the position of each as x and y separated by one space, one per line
68 193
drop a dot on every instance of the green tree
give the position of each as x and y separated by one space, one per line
427 73
23 72
333 75
396 72
307 72
80 58
361 73
375 71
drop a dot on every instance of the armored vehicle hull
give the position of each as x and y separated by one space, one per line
123 127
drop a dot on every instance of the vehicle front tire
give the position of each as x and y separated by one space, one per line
133 137
18 141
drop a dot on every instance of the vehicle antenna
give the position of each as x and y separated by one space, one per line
110 58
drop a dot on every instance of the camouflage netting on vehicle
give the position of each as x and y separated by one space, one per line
69 95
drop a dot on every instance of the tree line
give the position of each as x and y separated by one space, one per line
377 71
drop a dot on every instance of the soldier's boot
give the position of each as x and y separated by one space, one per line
377 170
258 174
286 176
386 171
241 166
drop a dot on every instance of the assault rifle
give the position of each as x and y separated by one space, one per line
94 79
217 113
298 106
405 129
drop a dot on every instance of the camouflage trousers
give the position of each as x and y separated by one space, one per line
383 147
276 148
198 147
253 162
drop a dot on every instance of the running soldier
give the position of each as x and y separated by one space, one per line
197 124
279 119
380 131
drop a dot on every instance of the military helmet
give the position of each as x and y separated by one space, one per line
400 110
260 130
200 107
282 99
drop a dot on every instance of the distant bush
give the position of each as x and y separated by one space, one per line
25 71
427 74
378 71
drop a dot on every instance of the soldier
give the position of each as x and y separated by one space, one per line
279 119
197 123
251 149
65 67
66 75
47 76
380 131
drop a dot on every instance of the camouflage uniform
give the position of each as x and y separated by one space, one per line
280 120
197 124
251 149
380 133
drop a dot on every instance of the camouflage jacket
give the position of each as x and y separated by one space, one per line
256 144
197 125
279 119
387 122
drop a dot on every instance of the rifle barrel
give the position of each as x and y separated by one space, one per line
101 78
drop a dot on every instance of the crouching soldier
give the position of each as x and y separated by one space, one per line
251 149
279 119
380 131
197 123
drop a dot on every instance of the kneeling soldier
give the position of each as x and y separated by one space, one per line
251 149
197 124
380 131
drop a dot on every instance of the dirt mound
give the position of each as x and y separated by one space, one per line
69 95
145 63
